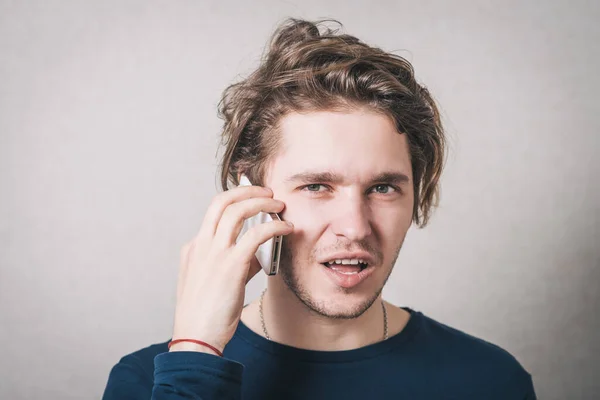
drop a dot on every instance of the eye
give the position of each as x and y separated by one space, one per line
313 187
383 188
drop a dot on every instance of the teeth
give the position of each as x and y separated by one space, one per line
347 262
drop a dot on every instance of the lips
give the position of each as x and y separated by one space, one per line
346 268
347 276
354 255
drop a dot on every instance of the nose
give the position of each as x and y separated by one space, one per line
352 219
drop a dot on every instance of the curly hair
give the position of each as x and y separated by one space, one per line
309 67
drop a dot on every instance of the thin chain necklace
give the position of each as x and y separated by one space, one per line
262 318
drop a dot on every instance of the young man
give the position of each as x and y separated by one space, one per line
342 142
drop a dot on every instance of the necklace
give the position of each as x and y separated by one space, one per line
264 327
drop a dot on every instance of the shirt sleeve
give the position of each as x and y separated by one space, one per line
194 375
129 380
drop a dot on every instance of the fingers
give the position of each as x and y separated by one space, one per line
233 217
214 270
223 200
244 250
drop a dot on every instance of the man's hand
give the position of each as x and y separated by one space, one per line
214 269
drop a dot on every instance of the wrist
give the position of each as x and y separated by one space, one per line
194 345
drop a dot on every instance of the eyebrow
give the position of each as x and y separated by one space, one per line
392 177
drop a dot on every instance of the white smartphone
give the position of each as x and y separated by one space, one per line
268 253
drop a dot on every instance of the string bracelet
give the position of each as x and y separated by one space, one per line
200 342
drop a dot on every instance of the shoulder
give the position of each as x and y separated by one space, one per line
134 373
469 347
464 357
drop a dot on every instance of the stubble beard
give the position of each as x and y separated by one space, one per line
289 275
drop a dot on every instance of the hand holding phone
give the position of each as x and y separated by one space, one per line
268 253
217 264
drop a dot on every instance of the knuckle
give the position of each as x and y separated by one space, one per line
219 201
221 197
231 211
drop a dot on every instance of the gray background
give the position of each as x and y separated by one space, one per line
107 152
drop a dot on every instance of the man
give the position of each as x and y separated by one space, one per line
341 141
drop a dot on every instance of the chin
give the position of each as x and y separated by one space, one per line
347 309
329 294
329 300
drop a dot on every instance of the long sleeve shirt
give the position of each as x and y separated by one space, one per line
426 360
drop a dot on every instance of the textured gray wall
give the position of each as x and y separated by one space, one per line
108 134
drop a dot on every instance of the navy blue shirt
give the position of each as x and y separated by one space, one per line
426 360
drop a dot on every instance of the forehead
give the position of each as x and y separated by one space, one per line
356 144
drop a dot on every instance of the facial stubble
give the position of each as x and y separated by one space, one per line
288 270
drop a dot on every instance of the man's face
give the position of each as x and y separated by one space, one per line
346 180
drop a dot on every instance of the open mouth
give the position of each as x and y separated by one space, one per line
346 267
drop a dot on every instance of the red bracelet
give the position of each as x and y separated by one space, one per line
201 343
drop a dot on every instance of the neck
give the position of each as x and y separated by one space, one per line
291 322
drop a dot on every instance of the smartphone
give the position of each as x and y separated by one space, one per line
268 253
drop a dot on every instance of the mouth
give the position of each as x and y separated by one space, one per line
347 274
346 267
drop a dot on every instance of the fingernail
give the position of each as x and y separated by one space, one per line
289 223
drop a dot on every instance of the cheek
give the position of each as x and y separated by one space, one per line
301 214
392 224
307 223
